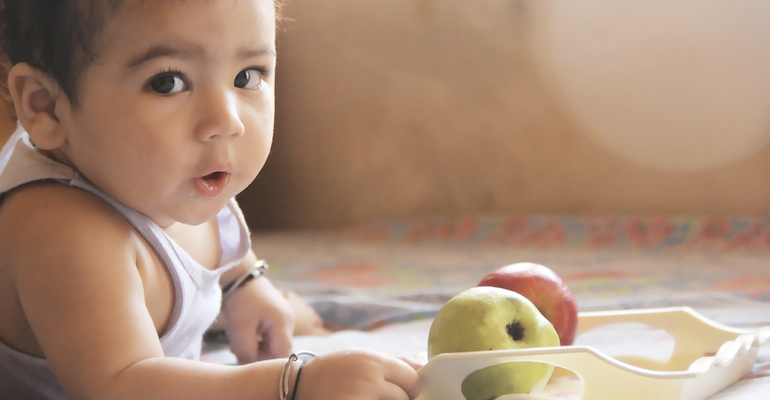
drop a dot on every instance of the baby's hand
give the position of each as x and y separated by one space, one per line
358 375
308 320
260 322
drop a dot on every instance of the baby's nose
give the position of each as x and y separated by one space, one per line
220 117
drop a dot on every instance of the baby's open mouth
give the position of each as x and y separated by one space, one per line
214 176
213 184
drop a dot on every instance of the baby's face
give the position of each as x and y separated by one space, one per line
176 115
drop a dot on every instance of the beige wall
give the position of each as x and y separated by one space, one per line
416 108
413 108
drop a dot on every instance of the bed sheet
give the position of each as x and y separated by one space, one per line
380 284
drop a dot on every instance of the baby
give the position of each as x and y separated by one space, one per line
139 121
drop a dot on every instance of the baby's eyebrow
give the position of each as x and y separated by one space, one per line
189 52
245 53
159 51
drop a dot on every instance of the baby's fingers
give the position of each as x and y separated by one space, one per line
277 342
244 343
412 362
394 392
402 374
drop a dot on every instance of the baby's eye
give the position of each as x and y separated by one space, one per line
248 79
168 83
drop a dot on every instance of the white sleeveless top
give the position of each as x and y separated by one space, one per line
197 292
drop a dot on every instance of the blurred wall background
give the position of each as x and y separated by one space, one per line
419 108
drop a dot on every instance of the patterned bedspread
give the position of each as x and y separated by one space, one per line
380 284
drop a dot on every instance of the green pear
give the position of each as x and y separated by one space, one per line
491 318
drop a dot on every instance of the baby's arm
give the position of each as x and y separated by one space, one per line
259 319
78 281
76 275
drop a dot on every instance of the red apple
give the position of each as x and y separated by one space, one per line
545 289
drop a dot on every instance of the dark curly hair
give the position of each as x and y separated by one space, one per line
54 36
58 36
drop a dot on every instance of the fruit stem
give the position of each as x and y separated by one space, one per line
515 330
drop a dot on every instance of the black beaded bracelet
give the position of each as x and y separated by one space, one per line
258 269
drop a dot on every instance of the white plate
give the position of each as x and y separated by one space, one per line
716 356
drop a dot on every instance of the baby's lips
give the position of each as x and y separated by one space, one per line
212 184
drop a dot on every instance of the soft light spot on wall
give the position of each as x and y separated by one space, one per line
673 84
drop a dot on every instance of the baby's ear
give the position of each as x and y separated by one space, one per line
35 97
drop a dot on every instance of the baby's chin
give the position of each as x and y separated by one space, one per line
199 219
190 215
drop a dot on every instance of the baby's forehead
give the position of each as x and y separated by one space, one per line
144 12
112 9
117 4
220 26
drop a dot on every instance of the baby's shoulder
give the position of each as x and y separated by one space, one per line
58 217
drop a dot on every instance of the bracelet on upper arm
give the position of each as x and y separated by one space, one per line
258 269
